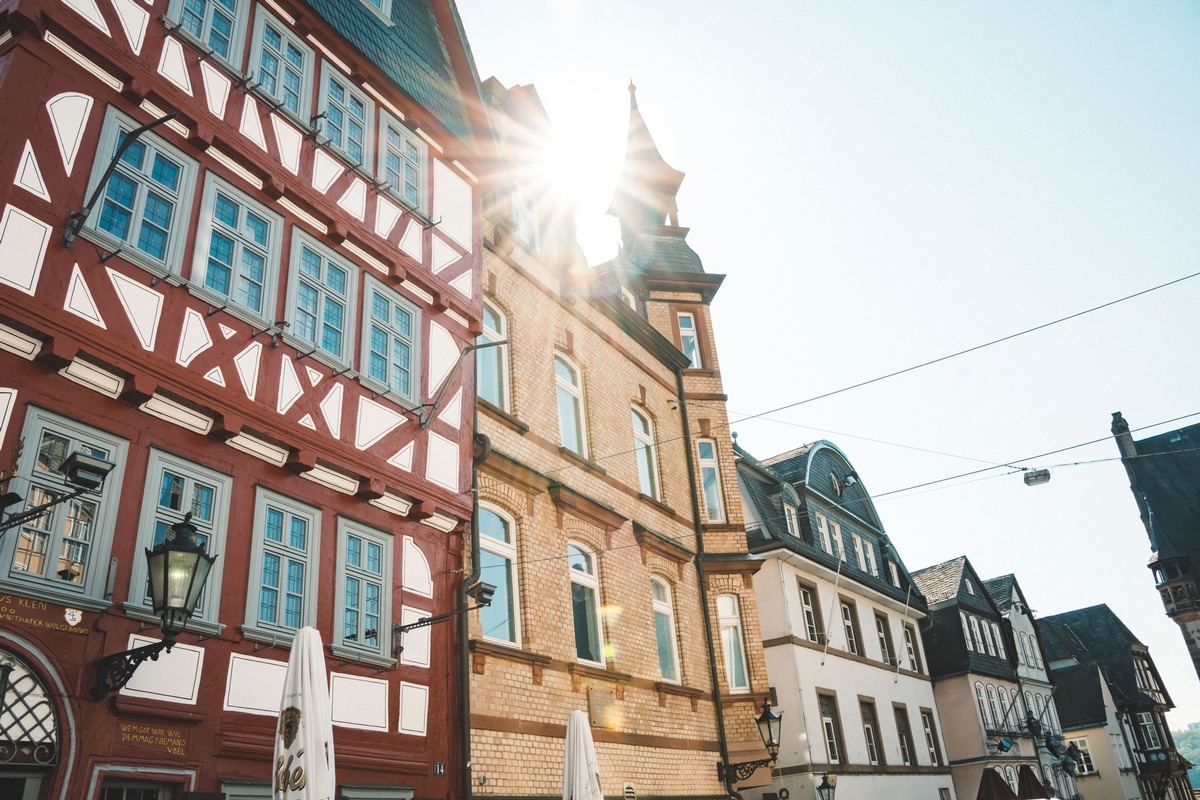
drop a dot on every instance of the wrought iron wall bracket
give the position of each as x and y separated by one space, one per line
742 771
113 672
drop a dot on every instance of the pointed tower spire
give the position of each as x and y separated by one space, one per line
647 187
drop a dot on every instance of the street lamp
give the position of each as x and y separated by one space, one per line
769 725
827 786
178 569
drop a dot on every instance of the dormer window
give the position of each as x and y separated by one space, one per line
970 586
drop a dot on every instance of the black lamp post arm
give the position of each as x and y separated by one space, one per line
741 771
35 512
113 672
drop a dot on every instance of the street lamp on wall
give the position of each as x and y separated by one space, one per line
86 473
769 726
178 569
827 786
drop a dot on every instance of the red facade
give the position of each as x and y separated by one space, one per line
262 322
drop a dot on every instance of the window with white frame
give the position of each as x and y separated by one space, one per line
1151 738
729 619
391 341
883 632
831 724
904 734
975 634
689 343
283 567
994 707
893 574
238 248
347 115
402 161
966 630
999 640
1085 763
872 566
526 226
381 7
1122 755
174 488
850 627
644 453
219 25
860 558
1020 645
585 604
145 205
363 610
983 708
931 739
501 621
791 519
664 630
1030 654
118 789
282 64
710 480
811 610
970 586
910 645
871 732
321 299
987 637
569 393
63 554
491 363
837 545
823 532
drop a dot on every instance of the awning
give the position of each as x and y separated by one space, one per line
994 787
1028 785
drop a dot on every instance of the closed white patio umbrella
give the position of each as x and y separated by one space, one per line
303 763
581 770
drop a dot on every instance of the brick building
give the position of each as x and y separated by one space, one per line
609 518
256 317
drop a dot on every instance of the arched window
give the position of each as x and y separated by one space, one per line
966 631
975 634
987 638
585 604
569 389
491 363
729 619
1021 646
993 706
664 630
999 640
497 560
1018 713
644 454
1040 713
983 709
1010 775
710 480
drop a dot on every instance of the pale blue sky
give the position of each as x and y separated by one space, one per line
886 183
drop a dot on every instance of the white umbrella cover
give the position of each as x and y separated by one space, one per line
304 738
581 770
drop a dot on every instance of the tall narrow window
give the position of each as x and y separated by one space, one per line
491 363
237 248
402 157
585 604
838 545
871 732
791 519
64 552
497 561
887 651
850 627
872 566
283 566
983 709
999 640
710 480
569 391
823 532
664 630
975 633
811 610
321 299
526 226
993 707
174 488
860 557
893 574
910 645
729 619
987 637
282 64
904 734
966 629
931 738
832 726
644 454
390 341
1150 732
688 341
364 599
348 116
1019 643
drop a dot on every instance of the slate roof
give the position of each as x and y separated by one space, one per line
1097 634
941 581
1079 696
766 488
662 249
411 52
1000 590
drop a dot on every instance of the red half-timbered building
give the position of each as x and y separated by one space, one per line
259 317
